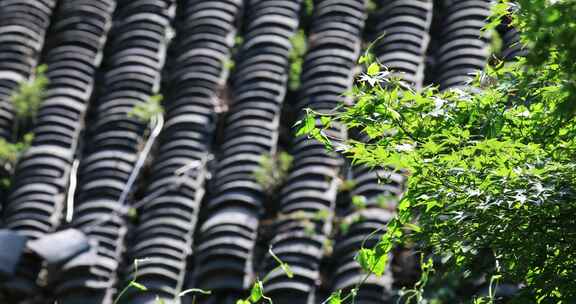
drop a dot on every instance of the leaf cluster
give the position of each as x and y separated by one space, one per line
296 59
257 291
273 170
491 165
27 98
145 111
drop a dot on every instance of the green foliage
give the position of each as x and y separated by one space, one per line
496 43
229 63
257 291
416 294
273 171
29 95
371 6
322 215
285 267
359 202
346 185
386 201
9 155
238 41
10 152
373 69
256 295
133 283
296 58
26 102
308 7
335 298
492 173
346 222
147 110
373 260
308 126
132 213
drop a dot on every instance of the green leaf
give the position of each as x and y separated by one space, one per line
394 114
380 265
138 286
366 58
365 257
335 298
344 227
413 227
307 125
287 270
27 98
285 267
553 15
144 111
132 213
359 201
256 292
325 121
432 147
373 69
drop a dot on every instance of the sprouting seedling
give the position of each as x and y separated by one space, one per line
257 290
373 262
145 111
368 58
273 170
256 294
133 282
285 267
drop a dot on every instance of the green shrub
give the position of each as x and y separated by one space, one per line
492 172
26 101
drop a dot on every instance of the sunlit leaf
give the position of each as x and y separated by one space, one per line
138 286
256 292
373 69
